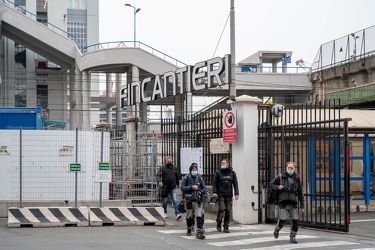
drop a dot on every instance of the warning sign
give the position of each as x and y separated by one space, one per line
229 127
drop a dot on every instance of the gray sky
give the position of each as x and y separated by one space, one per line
190 30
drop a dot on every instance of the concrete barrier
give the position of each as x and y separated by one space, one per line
121 216
48 217
84 216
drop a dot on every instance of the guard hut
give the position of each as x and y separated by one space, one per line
256 62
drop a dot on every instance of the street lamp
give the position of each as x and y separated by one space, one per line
355 43
135 12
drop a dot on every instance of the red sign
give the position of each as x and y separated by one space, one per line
229 127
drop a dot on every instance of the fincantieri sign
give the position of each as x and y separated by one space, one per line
203 75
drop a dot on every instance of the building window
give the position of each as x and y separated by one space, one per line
20 75
77 4
78 32
42 90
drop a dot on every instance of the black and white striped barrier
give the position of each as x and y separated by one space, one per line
121 216
48 217
84 216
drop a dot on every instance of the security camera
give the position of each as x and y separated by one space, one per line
277 110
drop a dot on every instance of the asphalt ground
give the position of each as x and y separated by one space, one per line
150 237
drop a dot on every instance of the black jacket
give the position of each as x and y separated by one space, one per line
225 181
292 191
169 176
189 181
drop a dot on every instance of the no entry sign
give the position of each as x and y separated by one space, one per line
229 127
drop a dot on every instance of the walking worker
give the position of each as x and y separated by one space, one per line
168 181
193 188
224 182
290 187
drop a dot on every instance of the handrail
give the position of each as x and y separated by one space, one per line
117 44
44 21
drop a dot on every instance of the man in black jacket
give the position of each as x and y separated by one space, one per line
225 181
291 192
168 180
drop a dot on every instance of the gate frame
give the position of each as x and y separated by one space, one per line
293 116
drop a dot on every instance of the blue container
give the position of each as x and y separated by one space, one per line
25 118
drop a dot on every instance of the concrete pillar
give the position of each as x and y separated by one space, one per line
189 103
284 67
108 93
86 100
245 159
118 102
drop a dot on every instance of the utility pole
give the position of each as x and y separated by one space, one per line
232 85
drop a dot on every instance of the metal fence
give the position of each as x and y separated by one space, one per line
54 168
134 163
316 138
192 132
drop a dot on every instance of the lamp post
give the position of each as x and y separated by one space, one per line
355 43
136 10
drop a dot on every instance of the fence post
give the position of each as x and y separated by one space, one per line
101 160
20 166
76 173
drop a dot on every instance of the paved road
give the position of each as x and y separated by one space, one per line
172 236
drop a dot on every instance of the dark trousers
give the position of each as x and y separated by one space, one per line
225 208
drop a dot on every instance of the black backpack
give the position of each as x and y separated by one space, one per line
273 195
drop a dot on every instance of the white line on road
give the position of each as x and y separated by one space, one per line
307 245
256 240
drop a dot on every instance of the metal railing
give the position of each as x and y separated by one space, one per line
349 48
130 44
42 20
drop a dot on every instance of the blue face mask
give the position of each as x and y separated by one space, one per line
194 173
290 172
223 167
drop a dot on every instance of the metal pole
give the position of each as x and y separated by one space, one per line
20 166
101 160
134 26
76 173
135 12
152 168
232 86
123 165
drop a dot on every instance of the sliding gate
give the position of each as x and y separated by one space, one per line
316 138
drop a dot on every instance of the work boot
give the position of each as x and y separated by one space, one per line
276 234
293 240
188 233
218 227
200 236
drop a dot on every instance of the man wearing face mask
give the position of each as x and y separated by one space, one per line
224 182
290 186
193 187
168 178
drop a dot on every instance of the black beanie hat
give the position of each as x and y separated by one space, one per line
193 165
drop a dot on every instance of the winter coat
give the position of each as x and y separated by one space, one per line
292 191
168 175
225 181
189 181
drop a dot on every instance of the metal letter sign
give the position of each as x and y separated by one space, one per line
229 127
